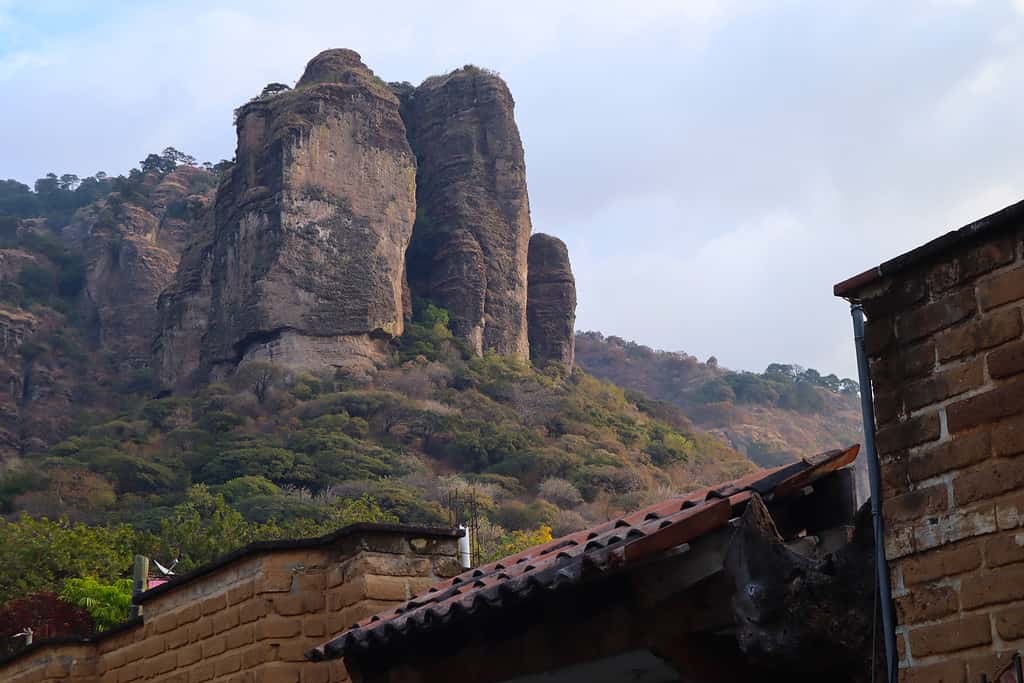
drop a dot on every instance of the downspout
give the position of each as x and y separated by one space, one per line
875 482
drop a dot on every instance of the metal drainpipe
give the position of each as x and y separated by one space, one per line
875 481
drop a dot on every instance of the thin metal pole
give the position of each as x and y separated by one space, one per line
1018 669
875 481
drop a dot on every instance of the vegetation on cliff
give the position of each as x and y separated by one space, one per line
771 417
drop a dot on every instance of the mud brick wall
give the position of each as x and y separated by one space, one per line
944 339
252 620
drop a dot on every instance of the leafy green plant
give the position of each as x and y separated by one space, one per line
107 603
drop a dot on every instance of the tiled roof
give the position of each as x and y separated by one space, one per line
582 555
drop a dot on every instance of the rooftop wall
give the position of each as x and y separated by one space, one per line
944 337
252 618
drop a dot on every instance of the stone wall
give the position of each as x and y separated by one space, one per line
944 337
252 620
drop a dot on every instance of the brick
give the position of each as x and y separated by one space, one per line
243 635
1010 512
890 371
387 588
989 664
990 588
878 335
278 672
895 477
257 654
916 504
278 627
214 646
177 638
903 435
295 650
959 452
1010 623
311 582
200 630
942 563
897 296
888 407
1005 549
165 623
189 613
1004 400
316 673
190 654
991 330
347 594
943 385
159 665
314 626
241 593
950 636
944 672
1007 360
274 582
227 619
957 525
200 674
969 264
252 610
926 604
289 604
214 604
1008 437
227 664
930 318
1001 289
989 480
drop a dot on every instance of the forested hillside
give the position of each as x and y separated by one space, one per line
771 417
270 452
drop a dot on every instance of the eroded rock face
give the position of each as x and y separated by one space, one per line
471 183
131 248
306 261
551 302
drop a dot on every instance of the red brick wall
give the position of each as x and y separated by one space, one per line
253 620
947 360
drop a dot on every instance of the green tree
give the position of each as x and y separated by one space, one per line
40 554
107 603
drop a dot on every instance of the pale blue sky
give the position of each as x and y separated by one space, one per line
714 166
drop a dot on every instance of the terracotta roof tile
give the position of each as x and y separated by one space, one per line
570 559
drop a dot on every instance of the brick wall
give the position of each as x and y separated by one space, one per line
945 343
252 620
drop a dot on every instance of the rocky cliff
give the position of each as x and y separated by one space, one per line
131 246
551 302
473 207
347 197
306 266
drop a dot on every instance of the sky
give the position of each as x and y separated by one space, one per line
714 166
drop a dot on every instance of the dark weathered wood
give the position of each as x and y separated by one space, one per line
801 613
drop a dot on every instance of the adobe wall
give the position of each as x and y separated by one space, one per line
252 620
945 343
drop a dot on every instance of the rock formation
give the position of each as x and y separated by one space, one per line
472 203
306 268
551 302
310 257
131 247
